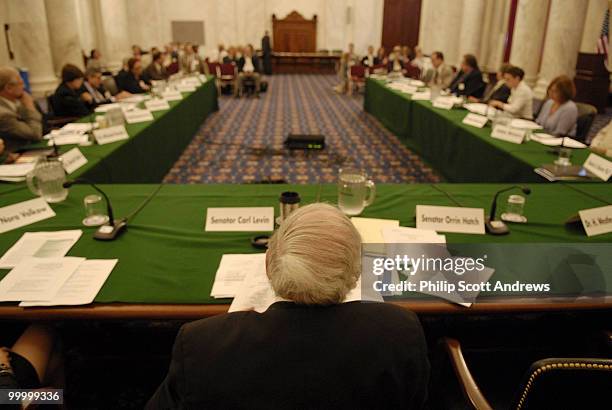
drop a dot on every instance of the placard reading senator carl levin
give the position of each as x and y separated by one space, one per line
240 219
450 219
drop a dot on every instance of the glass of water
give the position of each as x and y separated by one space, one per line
95 211
355 191
514 209
565 155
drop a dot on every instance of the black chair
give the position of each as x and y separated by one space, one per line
537 106
50 120
586 116
555 383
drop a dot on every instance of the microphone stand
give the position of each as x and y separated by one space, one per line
113 228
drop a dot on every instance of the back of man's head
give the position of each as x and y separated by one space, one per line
314 257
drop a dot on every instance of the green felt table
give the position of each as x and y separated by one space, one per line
167 261
460 152
153 147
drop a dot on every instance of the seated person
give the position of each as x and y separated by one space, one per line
189 61
602 142
93 86
20 121
395 61
248 67
307 350
95 60
468 81
32 362
230 56
131 81
499 91
559 113
381 57
156 70
421 61
369 60
520 102
441 74
69 100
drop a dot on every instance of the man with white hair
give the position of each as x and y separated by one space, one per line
308 350
20 122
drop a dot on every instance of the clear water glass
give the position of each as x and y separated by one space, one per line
95 211
565 155
355 191
514 209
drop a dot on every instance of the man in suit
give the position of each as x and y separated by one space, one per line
266 51
468 81
69 100
520 102
190 61
156 70
20 122
131 80
441 74
308 349
248 67
369 60
499 91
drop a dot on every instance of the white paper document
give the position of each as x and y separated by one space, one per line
40 245
411 235
37 278
256 293
82 287
232 270
16 170
371 229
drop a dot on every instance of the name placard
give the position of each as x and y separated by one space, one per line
597 221
24 213
255 219
111 134
508 134
73 160
194 81
186 88
598 166
137 115
444 103
475 120
172 95
450 219
158 104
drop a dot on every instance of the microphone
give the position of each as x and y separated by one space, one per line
499 227
113 228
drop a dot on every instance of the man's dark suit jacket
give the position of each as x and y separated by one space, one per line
67 102
349 356
501 94
242 61
126 81
153 73
474 85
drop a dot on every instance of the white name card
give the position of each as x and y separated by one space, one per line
240 219
73 160
598 166
186 88
172 95
450 219
138 115
508 134
597 221
194 81
475 120
157 104
111 134
444 103
24 213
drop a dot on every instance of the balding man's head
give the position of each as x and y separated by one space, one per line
314 257
11 84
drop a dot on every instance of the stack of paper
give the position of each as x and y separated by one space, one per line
73 133
232 270
40 245
15 172
552 141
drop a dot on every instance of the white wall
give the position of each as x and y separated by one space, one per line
239 22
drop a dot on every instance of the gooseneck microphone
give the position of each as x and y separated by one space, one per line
493 226
113 228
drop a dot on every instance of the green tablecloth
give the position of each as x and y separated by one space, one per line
153 147
461 153
166 256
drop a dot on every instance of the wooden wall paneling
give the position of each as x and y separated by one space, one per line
401 21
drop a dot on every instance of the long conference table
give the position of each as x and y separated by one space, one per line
460 152
152 147
167 262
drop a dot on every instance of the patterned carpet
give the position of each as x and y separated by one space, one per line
243 141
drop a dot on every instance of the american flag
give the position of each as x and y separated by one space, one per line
603 40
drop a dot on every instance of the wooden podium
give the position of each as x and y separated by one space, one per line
592 80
